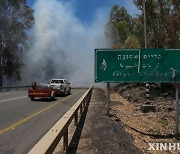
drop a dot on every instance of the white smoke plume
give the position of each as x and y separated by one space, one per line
61 45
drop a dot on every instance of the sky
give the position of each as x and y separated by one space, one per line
85 9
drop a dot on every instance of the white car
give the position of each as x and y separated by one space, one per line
62 86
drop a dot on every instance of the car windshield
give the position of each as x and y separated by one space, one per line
57 81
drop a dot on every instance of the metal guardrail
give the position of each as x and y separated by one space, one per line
7 88
50 140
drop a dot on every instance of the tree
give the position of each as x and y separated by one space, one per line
16 18
119 26
123 29
162 22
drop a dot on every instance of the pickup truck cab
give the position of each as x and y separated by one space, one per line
62 86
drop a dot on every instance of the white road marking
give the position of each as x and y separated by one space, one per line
12 99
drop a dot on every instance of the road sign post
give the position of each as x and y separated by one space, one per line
108 99
177 111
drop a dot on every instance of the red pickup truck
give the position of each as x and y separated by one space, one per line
41 91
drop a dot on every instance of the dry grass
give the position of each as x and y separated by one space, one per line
145 127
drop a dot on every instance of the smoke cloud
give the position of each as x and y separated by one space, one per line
62 46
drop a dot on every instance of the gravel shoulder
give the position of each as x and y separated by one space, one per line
103 134
97 133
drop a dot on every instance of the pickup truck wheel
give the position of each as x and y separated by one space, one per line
69 92
64 92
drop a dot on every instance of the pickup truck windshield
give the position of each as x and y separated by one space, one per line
57 81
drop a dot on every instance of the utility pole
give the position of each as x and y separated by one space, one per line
146 107
177 112
145 29
145 45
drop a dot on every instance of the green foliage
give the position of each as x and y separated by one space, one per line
121 26
118 14
138 31
16 18
122 31
163 20
131 42
118 25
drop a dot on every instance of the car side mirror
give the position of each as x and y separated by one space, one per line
69 83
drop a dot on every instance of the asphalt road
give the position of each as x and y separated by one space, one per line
24 122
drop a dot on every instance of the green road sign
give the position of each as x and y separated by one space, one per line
137 65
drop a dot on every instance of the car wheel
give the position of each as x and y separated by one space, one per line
69 92
32 98
53 98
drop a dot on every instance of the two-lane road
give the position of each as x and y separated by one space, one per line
23 122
